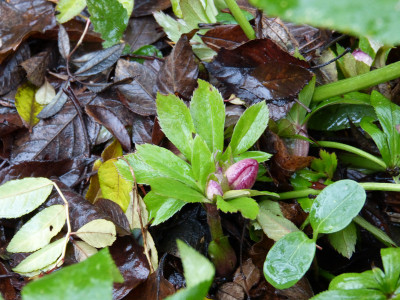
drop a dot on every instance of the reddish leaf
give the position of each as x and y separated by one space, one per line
155 285
6 287
147 7
259 69
36 66
109 120
116 106
9 121
224 36
179 73
20 18
116 214
139 95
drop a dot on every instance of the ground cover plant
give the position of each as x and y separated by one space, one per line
199 149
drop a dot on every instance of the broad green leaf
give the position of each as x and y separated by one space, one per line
391 263
83 250
248 207
90 279
199 273
176 122
344 241
128 5
274 224
175 189
354 281
113 186
173 28
259 156
39 230
45 93
208 112
202 161
375 19
42 258
161 208
109 18
21 196
249 128
336 206
98 233
195 12
68 9
360 294
26 105
289 259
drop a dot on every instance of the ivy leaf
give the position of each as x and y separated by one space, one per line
249 128
208 112
344 241
90 279
39 230
19 197
176 122
202 161
248 207
41 260
289 259
336 206
27 107
109 18
98 233
68 9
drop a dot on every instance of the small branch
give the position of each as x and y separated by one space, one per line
241 19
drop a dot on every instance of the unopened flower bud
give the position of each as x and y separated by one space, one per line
243 174
362 56
213 188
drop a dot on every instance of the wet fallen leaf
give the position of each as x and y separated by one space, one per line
250 276
155 287
36 66
147 7
230 291
142 129
224 36
142 31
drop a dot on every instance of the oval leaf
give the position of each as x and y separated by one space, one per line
19 197
68 9
360 294
27 107
45 93
39 230
98 233
336 206
83 250
289 259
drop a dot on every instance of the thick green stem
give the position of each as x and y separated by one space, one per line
357 83
354 150
241 19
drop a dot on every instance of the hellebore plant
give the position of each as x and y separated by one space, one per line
205 172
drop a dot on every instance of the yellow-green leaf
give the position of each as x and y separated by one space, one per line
98 233
26 105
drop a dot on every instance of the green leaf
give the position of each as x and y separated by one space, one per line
161 208
39 260
360 294
26 105
297 113
98 233
259 156
109 18
344 241
272 222
90 279
377 20
391 263
176 122
21 196
175 189
249 128
173 28
176 8
197 11
146 50
354 281
248 207
208 112
326 164
128 5
202 161
68 9
39 230
199 273
289 259
336 206
113 186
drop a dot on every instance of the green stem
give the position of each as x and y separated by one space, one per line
379 234
241 19
357 83
354 150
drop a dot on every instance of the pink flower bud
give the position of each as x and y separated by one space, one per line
243 174
213 188
362 56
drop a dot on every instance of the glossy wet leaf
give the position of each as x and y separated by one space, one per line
142 32
161 208
19 197
176 122
360 18
42 258
354 281
224 36
109 18
45 93
359 294
202 161
249 128
390 260
208 112
248 207
39 230
68 9
336 206
91 278
147 7
27 107
289 259
98 233
344 241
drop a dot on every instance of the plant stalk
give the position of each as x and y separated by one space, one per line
357 83
241 19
